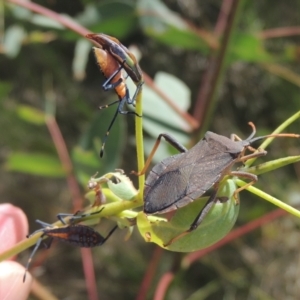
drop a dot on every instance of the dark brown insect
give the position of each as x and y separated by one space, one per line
180 179
77 235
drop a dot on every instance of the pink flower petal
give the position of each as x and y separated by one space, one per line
12 286
13 226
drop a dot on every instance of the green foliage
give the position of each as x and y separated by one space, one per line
35 164
31 115
165 26
249 48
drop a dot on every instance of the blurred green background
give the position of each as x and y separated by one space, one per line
48 69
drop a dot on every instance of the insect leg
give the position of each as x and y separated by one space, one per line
31 256
138 88
108 130
258 153
170 140
75 216
118 111
110 104
199 218
107 237
41 229
44 224
128 100
107 85
38 243
250 176
61 217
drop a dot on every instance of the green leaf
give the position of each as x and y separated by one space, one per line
184 39
116 18
14 36
122 186
35 164
89 15
248 47
272 165
160 15
91 141
161 23
44 21
20 12
31 115
86 162
118 183
158 115
217 223
82 50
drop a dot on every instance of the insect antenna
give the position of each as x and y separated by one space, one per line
251 139
291 135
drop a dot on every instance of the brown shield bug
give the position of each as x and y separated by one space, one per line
180 179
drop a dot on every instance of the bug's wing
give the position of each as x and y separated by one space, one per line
180 179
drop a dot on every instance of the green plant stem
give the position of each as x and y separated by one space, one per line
269 198
120 208
111 209
19 247
140 142
279 129
273 165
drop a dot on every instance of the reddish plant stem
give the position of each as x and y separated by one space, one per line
163 286
67 22
66 162
86 254
149 274
241 231
279 32
89 273
206 101
223 17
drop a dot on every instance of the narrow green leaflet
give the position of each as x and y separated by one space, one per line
167 27
14 36
31 115
82 50
35 164
273 165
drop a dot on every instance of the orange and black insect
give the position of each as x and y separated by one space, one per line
115 80
77 235
121 54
